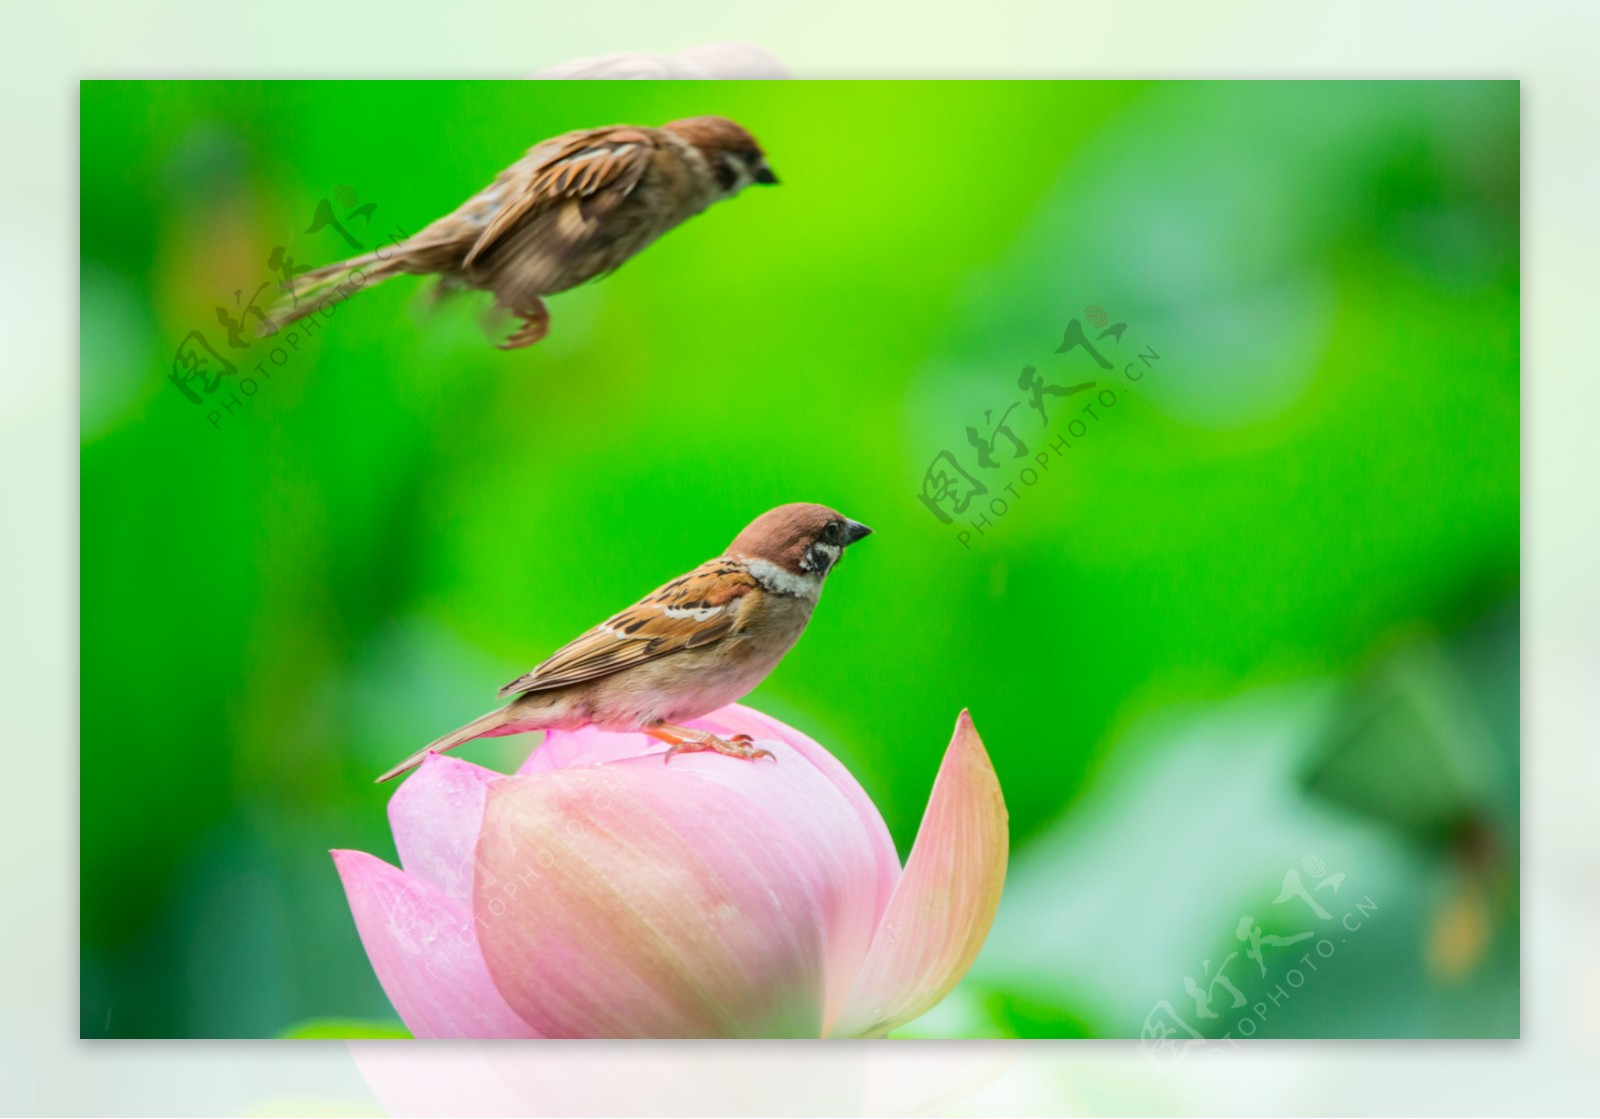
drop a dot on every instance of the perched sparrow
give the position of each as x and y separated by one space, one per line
686 649
575 207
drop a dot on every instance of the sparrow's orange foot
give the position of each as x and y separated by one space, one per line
535 325
682 740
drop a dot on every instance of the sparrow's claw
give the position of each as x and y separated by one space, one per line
747 748
748 752
535 325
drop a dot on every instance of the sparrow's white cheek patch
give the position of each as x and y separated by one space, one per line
733 176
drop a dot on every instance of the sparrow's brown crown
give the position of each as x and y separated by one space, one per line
731 152
801 539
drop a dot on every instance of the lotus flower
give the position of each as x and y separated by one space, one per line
600 893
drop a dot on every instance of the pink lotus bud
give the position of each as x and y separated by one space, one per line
600 893
712 60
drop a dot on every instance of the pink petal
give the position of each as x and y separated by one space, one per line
422 946
815 800
946 899
601 1080
563 749
806 795
435 815
452 1079
737 719
570 749
641 900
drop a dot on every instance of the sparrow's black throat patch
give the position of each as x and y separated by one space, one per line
820 557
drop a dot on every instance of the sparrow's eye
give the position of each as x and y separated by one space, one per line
830 535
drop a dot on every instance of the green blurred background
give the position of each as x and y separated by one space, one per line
1263 618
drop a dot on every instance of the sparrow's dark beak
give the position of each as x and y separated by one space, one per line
764 174
855 530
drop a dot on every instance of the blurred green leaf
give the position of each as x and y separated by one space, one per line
344 1028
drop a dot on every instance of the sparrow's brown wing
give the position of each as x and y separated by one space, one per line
595 169
695 609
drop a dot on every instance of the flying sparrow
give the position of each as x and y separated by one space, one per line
686 649
573 208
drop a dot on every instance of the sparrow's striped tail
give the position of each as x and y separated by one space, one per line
309 291
497 722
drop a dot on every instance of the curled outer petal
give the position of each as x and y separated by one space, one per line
945 900
422 946
435 816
